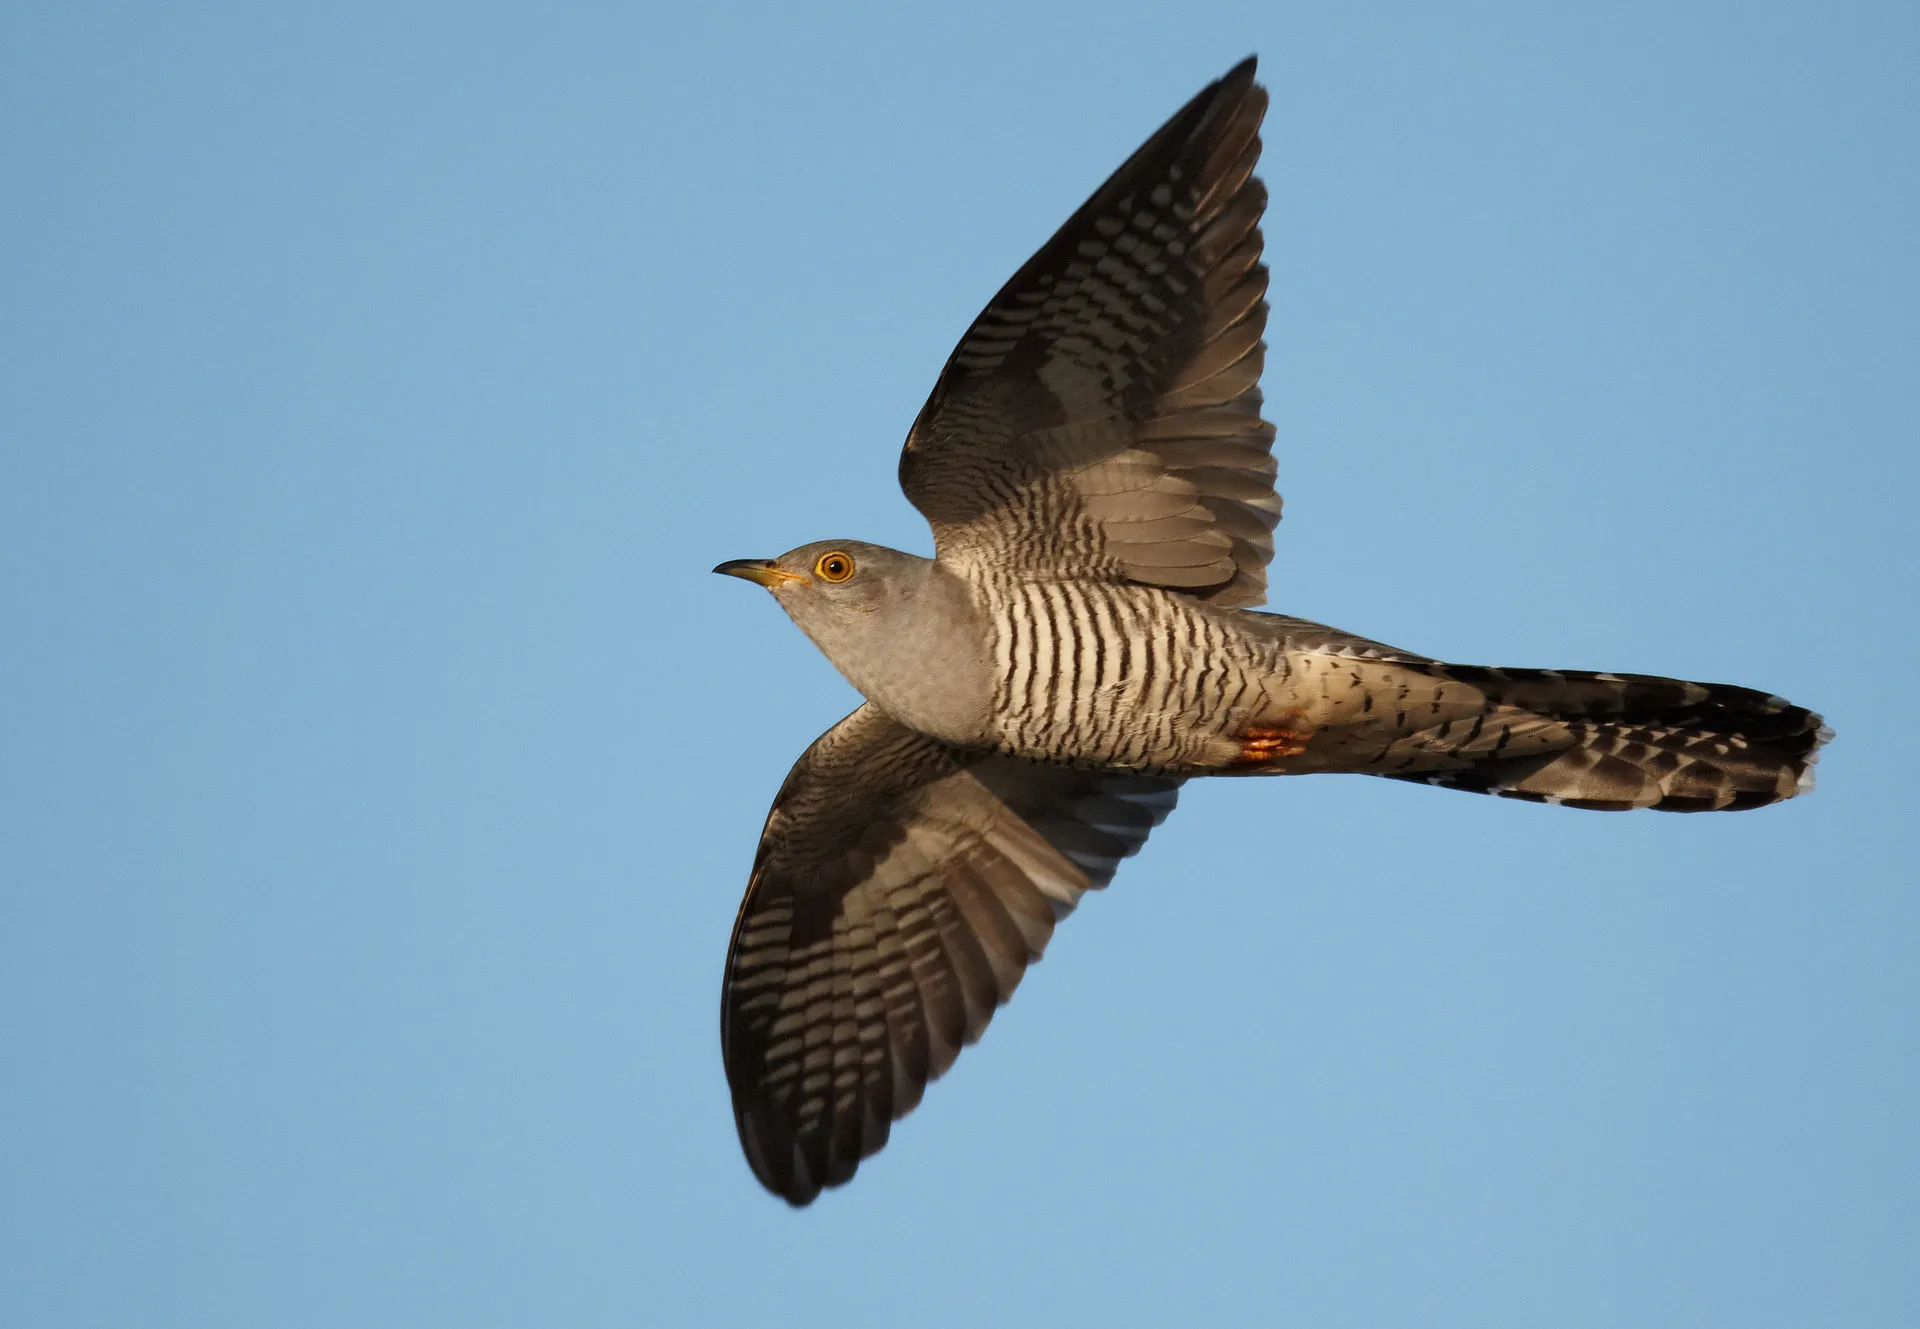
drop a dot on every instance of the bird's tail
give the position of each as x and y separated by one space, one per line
1623 741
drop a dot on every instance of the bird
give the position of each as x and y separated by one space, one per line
1100 487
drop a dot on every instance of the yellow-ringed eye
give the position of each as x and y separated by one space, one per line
834 566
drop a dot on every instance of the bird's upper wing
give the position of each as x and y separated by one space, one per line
1102 415
901 889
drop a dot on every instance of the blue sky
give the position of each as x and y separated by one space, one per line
380 766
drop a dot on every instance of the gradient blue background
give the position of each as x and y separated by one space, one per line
380 766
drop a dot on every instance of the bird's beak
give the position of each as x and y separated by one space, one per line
760 570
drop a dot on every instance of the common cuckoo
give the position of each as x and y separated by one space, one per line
1100 486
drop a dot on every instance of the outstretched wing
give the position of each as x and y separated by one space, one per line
1101 417
901 889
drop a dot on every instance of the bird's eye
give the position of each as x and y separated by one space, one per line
835 566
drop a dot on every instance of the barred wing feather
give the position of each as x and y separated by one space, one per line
1102 415
901 889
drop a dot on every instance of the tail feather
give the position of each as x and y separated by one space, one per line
1639 741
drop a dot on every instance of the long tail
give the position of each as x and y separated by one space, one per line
1636 741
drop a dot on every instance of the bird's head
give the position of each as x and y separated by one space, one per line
839 591
902 629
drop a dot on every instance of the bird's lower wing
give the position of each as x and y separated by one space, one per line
901 889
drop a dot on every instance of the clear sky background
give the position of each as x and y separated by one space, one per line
380 767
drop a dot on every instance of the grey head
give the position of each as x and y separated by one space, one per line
901 628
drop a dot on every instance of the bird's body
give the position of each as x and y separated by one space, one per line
1115 676
1100 486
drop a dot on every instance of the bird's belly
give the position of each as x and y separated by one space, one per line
1121 731
1126 678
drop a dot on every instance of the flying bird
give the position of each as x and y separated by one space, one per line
1100 486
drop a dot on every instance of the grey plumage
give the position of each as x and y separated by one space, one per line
1100 486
